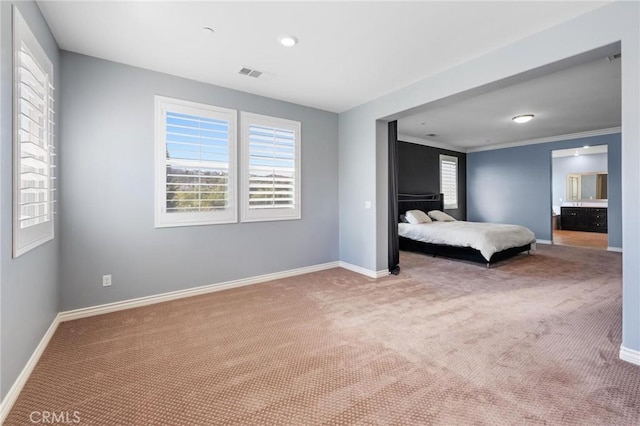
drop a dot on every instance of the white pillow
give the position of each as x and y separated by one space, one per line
440 216
417 216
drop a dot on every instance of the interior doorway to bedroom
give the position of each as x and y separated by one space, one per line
580 187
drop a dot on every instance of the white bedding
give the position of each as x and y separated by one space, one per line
487 238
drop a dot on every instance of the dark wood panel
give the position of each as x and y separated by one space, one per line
586 219
419 173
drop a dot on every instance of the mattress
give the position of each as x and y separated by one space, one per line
487 238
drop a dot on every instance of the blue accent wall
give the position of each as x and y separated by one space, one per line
513 185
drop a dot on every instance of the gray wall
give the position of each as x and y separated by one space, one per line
562 166
419 173
108 191
513 185
363 155
29 284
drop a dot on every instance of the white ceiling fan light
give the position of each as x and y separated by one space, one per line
524 118
288 40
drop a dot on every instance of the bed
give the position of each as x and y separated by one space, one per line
478 242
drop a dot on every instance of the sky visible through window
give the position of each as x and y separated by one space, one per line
197 163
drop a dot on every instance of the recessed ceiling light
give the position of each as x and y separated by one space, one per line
586 147
207 30
523 118
288 40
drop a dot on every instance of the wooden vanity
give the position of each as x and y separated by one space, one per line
587 219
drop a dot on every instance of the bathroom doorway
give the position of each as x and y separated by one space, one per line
580 187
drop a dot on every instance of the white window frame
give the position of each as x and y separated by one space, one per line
257 215
31 236
164 219
449 205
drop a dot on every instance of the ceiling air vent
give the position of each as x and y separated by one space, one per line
250 72
614 57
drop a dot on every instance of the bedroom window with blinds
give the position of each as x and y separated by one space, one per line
195 163
270 168
449 180
33 141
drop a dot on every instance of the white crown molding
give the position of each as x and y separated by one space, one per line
429 142
557 138
11 396
630 355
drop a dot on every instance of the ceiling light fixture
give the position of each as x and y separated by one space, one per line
288 40
523 118
586 147
208 30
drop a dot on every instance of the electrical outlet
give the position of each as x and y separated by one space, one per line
106 280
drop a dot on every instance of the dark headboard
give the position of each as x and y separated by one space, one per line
424 202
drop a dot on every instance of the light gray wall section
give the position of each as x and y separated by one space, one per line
108 191
29 284
563 166
513 185
362 237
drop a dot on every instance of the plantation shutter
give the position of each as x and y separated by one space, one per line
34 145
195 163
271 155
271 168
449 181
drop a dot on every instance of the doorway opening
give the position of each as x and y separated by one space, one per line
580 187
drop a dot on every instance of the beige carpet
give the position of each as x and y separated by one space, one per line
534 340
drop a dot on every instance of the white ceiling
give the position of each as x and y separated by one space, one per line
578 99
349 52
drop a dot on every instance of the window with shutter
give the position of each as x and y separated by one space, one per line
33 146
270 168
195 163
449 180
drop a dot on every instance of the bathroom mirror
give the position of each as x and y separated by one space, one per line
587 186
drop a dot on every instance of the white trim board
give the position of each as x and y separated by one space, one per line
615 249
195 291
630 355
11 396
544 242
360 270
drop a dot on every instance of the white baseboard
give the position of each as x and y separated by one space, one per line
544 242
630 355
616 249
11 396
179 294
360 270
